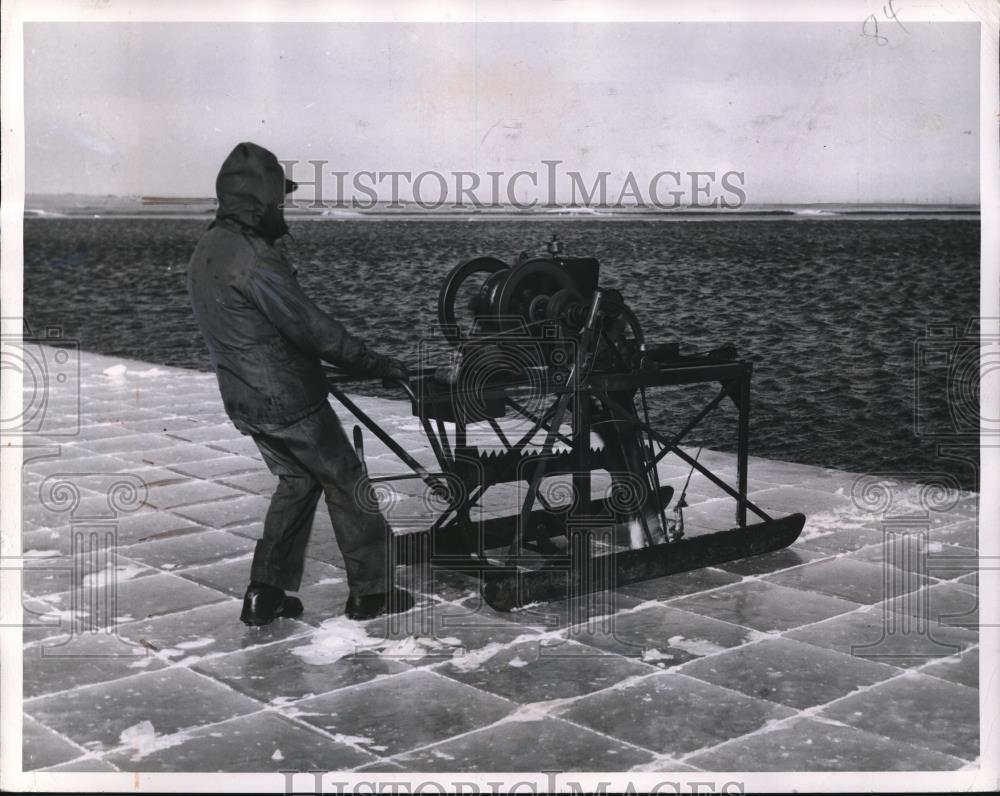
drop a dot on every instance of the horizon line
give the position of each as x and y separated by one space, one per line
345 202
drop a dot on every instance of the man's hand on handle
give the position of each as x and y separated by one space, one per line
390 369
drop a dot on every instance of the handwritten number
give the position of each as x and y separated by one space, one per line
870 30
890 13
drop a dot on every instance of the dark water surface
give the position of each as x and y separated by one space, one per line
829 311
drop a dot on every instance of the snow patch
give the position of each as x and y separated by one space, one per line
62 613
652 655
328 580
340 637
113 574
773 724
826 720
824 523
473 659
628 682
116 373
416 647
283 701
353 740
536 711
336 638
143 739
50 598
696 646
644 606
194 644
297 713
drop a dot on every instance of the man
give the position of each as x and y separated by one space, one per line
266 339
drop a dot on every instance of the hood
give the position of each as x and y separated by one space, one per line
251 189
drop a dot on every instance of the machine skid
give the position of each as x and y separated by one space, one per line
505 589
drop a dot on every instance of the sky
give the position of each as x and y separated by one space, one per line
807 111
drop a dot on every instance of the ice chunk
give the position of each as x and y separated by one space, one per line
353 740
652 655
696 646
143 739
116 373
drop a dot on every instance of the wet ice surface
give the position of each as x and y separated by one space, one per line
808 658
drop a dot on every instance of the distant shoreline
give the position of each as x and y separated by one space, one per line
664 216
82 206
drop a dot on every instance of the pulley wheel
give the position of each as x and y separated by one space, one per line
537 310
566 306
453 283
526 282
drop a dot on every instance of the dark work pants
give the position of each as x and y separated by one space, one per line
313 456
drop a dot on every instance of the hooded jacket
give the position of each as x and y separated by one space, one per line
266 338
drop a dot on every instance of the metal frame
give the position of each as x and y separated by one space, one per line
733 377
453 542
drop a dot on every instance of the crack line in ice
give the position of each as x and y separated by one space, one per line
811 713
